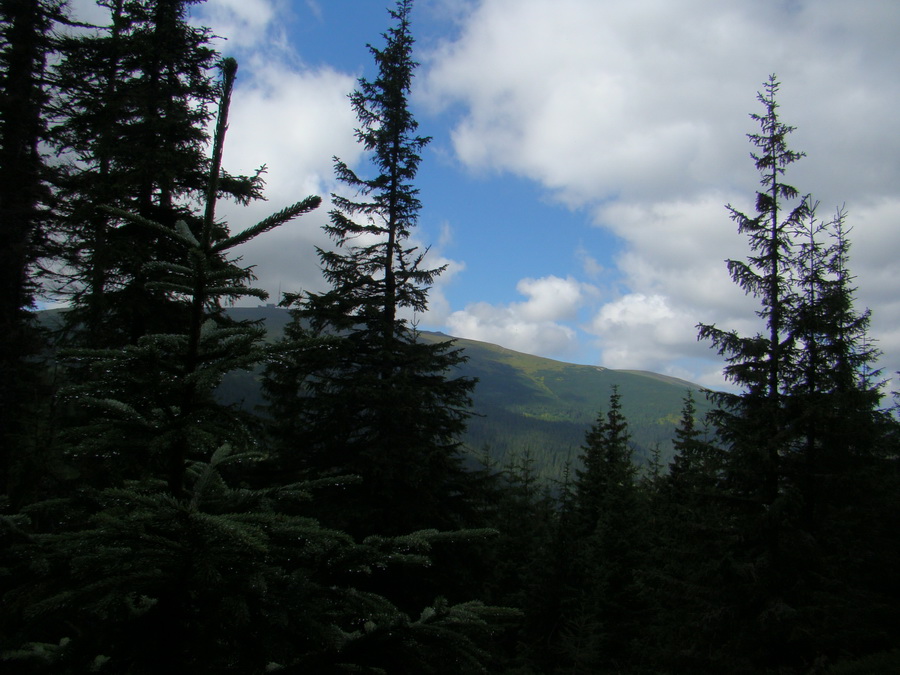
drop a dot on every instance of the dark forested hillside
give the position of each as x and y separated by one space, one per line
545 406
319 487
524 403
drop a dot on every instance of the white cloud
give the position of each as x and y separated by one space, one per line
244 23
533 326
502 325
616 106
635 310
643 331
677 249
315 8
293 120
875 262
591 267
549 298
89 11
649 99
639 111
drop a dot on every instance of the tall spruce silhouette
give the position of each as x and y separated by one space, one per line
134 99
358 390
178 565
804 434
26 48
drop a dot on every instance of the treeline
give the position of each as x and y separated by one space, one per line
146 527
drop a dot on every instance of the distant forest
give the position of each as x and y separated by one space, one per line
148 527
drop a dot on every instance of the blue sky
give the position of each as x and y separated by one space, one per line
583 153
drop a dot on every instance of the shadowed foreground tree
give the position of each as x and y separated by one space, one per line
690 536
133 102
358 390
805 471
25 47
174 566
608 513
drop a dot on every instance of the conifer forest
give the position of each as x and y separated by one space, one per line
343 527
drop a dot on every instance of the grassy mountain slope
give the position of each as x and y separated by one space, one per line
544 406
528 403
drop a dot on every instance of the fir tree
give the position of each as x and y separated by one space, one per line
130 113
609 514
176 568
165 382
361 391
25 46
801 438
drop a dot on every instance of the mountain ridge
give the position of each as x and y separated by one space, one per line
532 406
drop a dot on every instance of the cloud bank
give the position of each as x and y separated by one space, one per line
638 112
632 114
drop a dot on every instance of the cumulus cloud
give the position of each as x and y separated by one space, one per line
638 112
649 99
293 120
533 326
643 331
617 107
677 250
503 325
245 23
549 298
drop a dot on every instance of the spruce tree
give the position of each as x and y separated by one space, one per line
835 385
553 574
842 446
606 465
361 391
697 465
754 425
609 515
836 391
176 568
132 103
691 539
802 438
762 364
26 45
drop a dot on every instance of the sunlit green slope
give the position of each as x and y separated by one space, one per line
546 406
528 403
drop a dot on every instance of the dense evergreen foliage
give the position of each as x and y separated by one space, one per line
163 550
146 526
133 100
806 433
25 43
357 391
